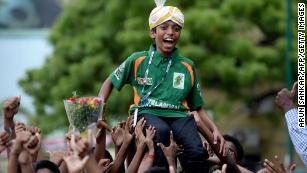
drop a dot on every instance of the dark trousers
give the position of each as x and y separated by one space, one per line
193 158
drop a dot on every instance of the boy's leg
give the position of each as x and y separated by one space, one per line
161 136
193 158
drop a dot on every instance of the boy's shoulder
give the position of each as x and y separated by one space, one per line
136 55
185 59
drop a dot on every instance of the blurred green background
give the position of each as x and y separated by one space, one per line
239 48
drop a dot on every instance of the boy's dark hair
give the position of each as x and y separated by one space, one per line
157 169
46 164
237 144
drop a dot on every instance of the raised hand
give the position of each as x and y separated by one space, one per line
33 129
85 144
11 107
285 98
171 151
21 138
272 168
73 161
101 124
4 140
128 136
139 135
207 146
19 127
117 134
34 144
150 134
105 165
293 92
56 157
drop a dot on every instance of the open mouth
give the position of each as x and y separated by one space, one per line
168 41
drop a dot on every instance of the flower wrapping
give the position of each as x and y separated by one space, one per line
84 111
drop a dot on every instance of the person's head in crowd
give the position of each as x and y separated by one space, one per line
234 146
45 166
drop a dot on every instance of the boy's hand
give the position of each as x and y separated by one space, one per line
11 107
217 136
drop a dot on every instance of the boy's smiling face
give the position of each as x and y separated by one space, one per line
166 36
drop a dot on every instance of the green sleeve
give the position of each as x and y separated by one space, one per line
123 74
194 99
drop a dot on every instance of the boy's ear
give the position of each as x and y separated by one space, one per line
153 33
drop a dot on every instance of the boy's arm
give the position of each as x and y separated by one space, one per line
106 89
205 131
217 136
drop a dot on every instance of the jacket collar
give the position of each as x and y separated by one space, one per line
157 58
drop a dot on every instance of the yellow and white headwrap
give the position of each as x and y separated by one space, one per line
163 13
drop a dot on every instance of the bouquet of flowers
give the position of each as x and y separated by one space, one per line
83 112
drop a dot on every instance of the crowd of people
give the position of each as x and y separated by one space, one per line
164 123
135 145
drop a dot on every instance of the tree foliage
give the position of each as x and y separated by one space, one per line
236 45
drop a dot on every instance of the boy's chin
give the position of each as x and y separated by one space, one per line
168 52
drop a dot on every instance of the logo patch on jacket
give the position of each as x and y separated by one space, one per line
145 81
118 73
178 80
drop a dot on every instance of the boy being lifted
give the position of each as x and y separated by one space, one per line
166 88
